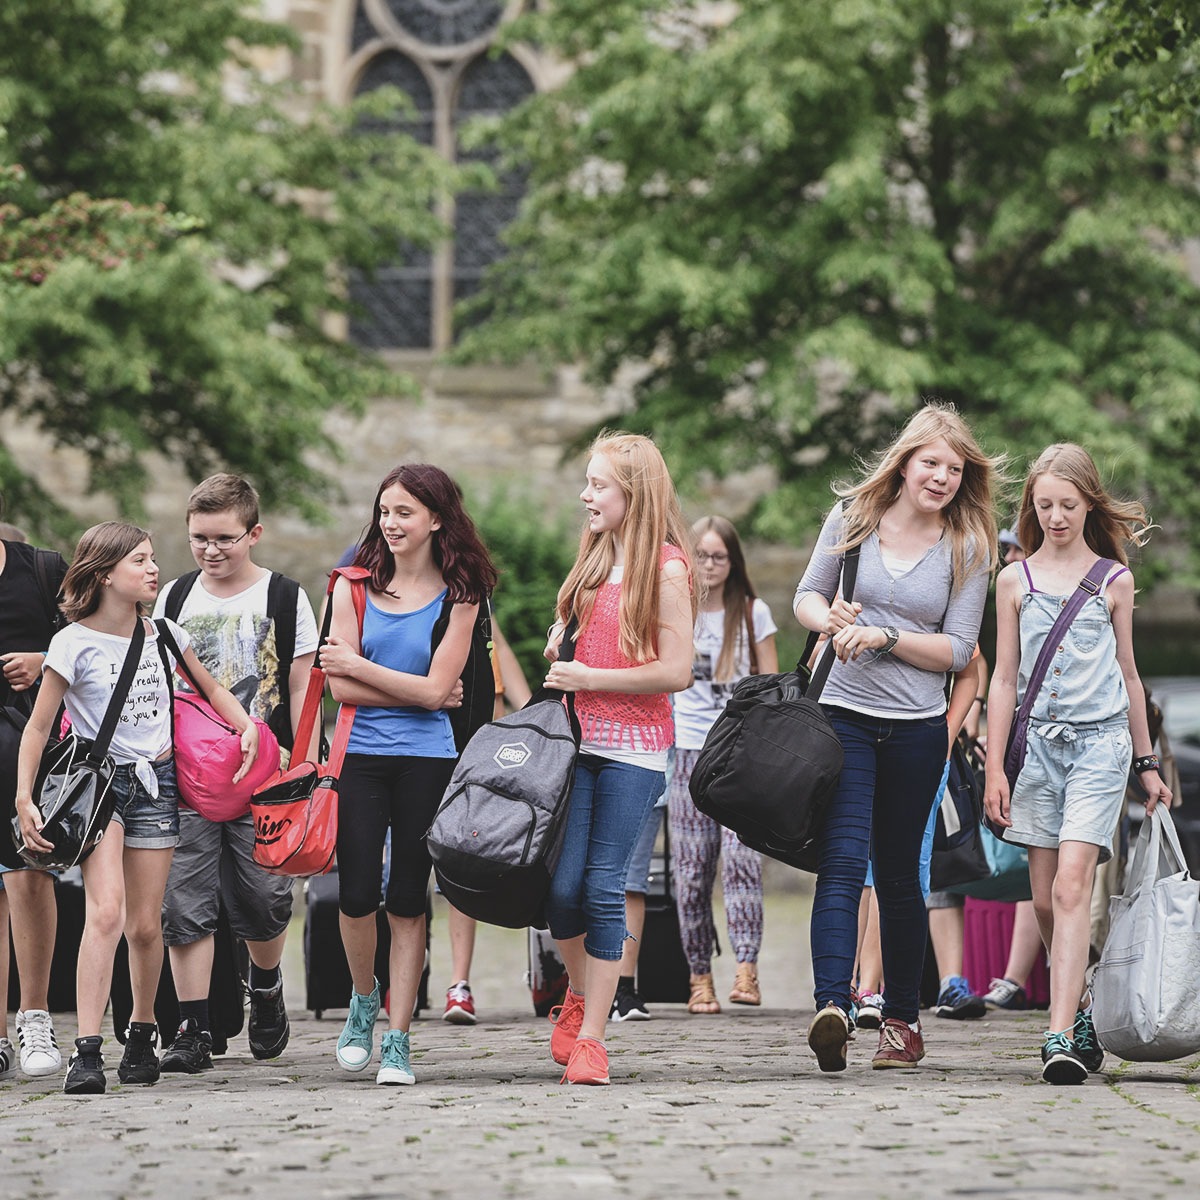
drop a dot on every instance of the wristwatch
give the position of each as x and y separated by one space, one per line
893 636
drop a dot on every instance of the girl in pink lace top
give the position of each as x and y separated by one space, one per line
631 594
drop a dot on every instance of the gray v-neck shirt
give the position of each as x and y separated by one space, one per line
919 601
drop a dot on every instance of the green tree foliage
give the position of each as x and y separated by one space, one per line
1150 49
801 221
172 243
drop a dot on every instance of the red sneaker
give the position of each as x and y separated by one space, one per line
460 1005
899 1045
588 1063
568 1019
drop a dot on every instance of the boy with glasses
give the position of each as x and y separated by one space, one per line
254 630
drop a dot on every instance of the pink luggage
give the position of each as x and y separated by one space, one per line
988 926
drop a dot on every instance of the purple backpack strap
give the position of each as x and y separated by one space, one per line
1089 586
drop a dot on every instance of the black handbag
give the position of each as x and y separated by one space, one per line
958 851
771 762
73 789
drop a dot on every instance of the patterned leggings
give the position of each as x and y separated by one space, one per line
696 840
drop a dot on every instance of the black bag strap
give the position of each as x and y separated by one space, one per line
43 561
1085 589
566 653
166 641
283 598
179 592
116 702
821 674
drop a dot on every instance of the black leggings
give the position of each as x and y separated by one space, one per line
375 791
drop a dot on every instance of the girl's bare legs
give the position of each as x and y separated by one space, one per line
869 967
406 963
1026 942
1062 896
594 978
103 924
462 944
146 874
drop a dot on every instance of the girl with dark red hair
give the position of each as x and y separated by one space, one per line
421 549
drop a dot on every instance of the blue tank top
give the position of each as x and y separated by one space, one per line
1084 685
401 642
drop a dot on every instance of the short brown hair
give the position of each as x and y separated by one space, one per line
219 493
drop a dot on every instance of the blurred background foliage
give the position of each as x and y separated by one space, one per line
798 218
173 242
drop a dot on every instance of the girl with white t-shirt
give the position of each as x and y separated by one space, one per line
734 636
108 589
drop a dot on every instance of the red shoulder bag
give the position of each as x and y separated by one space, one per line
296 811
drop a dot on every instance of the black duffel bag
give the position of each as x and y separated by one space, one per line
771 762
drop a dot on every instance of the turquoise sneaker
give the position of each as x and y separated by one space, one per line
394 1052
357 1043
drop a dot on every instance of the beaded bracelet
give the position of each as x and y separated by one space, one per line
1148 762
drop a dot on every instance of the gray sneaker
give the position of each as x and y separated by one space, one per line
1003 993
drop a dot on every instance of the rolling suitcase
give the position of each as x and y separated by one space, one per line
327 981
662 973
547 975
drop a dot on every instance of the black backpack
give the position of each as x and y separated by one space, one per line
771 762
479 680
497 834
283 596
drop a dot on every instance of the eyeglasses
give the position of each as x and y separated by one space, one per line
221 543
717 560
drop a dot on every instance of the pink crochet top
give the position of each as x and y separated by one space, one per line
618 719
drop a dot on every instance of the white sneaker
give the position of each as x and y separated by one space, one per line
8 1058
39 1049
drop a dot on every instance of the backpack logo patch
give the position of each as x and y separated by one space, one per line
513 754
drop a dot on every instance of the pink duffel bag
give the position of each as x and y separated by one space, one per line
208 751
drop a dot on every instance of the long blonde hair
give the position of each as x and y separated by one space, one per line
652 518
969 517
1109 527
736 594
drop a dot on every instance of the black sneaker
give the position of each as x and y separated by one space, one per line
85 1069
269 1025
190 1052
958 1002
627 1005
139 1063
1086 1041
1061 1061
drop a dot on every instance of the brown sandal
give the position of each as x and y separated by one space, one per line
704 996
745 985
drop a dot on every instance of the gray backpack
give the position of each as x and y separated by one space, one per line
497 834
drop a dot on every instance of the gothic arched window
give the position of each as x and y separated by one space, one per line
436 51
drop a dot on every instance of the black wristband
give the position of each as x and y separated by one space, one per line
1148 762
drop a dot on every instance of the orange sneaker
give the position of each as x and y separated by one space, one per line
588 1063
567 1018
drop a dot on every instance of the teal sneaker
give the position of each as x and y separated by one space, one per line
1061 1061
394 1052
357 1043
1086 1041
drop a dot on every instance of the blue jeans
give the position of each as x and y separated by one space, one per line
888 784
609 803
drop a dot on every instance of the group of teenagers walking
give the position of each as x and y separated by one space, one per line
667 622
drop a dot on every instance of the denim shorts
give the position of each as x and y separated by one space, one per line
149 824
1072 786
637 878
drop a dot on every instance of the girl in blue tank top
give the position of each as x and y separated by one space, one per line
421 550
1070 794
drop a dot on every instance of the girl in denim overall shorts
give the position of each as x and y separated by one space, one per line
631 593
109 587
1069 796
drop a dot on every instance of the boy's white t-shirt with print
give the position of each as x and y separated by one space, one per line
91 664
234 639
